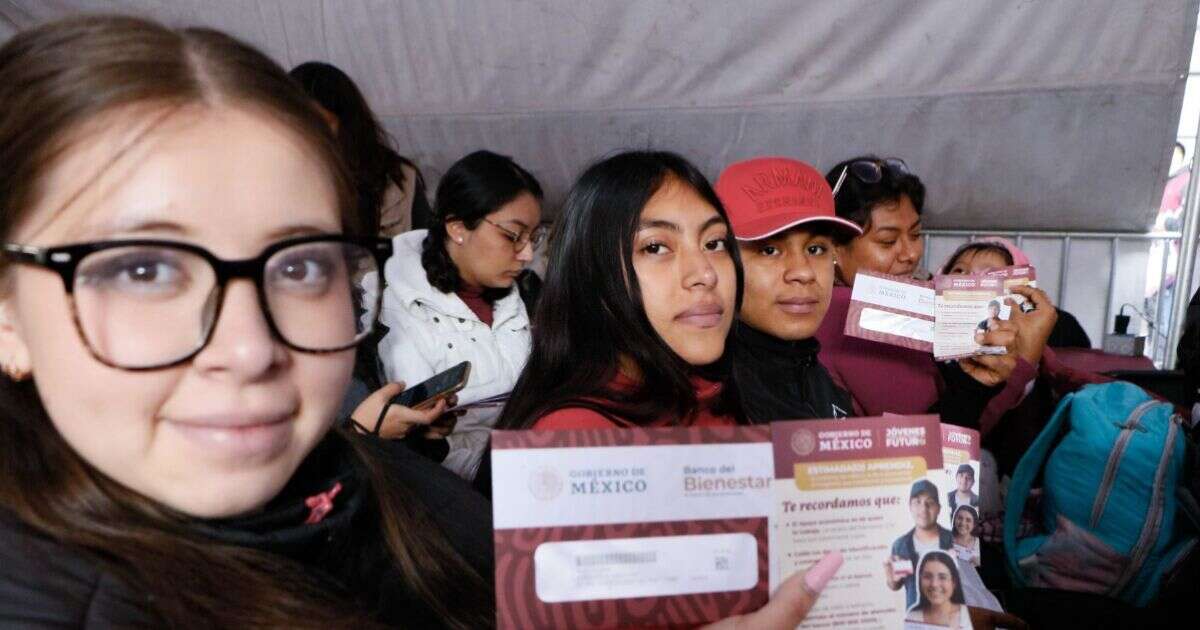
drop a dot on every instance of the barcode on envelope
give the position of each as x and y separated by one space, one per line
616 557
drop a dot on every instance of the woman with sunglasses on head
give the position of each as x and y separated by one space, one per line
182 293
886 199
642 287
450 297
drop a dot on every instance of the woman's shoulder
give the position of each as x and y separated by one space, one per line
574 418
44 583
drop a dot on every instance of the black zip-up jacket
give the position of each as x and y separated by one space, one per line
45 584
783 380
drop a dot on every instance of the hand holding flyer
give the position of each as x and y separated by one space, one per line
948 317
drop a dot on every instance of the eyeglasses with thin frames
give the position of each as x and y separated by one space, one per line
144 304
522 238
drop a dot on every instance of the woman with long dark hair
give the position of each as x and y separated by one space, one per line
642 287
391 189
183 273
451 296
886 199
941 602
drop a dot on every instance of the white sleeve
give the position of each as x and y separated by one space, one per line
402 350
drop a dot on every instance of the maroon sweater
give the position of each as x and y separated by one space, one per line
473 298
707 393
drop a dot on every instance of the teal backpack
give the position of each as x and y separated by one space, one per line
1110 462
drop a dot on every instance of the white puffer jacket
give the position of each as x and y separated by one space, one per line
431 331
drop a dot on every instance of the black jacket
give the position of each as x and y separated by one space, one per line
44 584
782 380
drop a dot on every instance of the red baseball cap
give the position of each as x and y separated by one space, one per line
767 195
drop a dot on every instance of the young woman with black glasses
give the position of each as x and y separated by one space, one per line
451 297
184 281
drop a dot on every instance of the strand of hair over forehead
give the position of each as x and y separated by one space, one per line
16 55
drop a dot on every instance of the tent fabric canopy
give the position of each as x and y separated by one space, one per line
1032 114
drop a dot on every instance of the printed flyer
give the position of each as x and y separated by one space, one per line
871 488
966 307
892 309
608 528
1017 276
960 513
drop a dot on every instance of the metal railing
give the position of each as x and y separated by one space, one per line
1158 350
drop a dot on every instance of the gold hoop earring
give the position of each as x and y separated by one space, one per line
14 373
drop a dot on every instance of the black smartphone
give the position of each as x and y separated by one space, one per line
439 386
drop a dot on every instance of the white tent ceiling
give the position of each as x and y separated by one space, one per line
1048 114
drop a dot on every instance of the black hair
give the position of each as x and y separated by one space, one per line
365 144
978 248
924 486
590 312
969 508
857 199
941 556
474 187
966 468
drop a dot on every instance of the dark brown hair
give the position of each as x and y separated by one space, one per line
54 81
366 145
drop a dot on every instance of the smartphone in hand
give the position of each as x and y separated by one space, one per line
435 388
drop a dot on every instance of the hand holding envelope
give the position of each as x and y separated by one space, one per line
790 603
993 369
1035 325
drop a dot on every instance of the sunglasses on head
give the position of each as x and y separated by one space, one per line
870 171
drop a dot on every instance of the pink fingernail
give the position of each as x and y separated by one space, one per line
821 572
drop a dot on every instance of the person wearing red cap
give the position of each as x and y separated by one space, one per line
782 214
